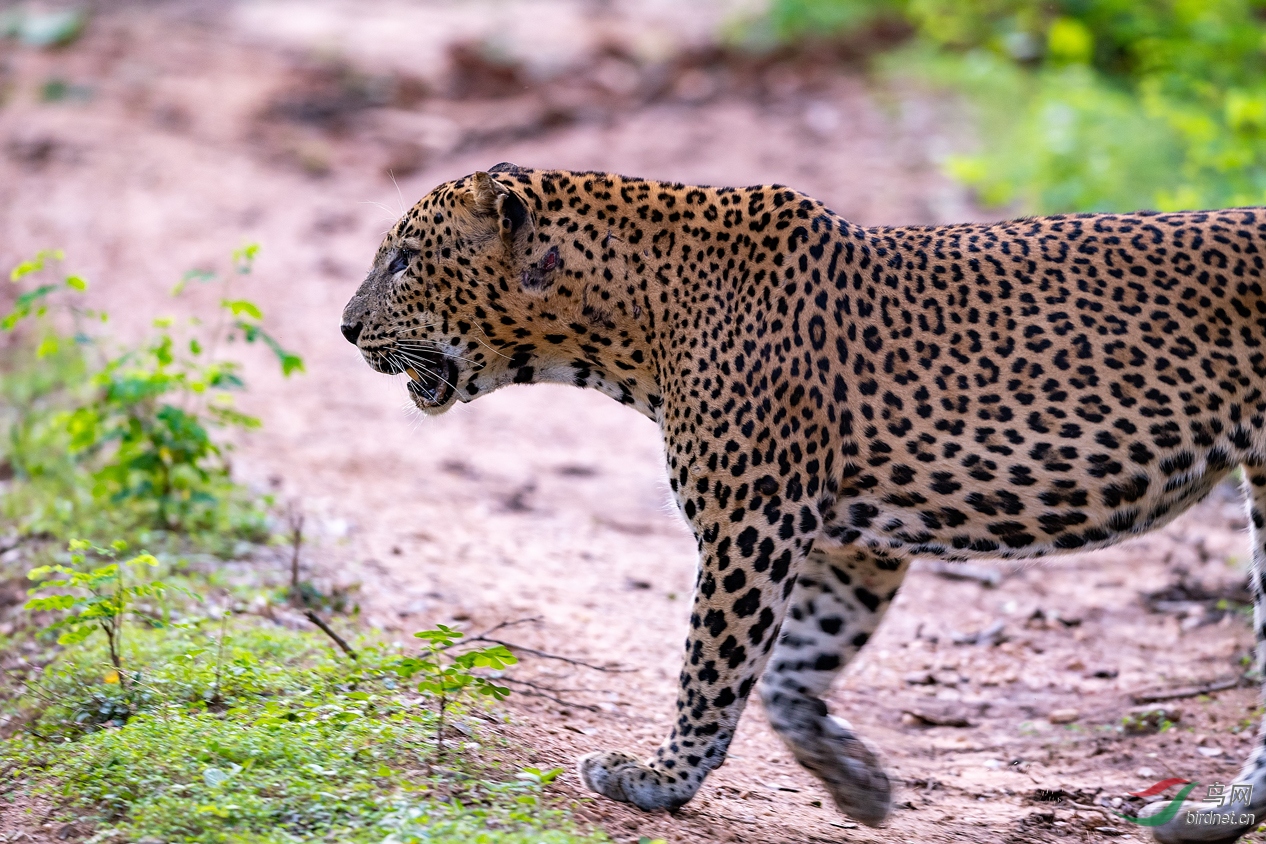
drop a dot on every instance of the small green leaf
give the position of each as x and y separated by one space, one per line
244 258
50 603
290 363
192 275
238 307
35 264
48 346
75 635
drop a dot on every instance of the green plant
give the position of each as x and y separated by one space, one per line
301 745
97 597
1087 105
1147 721
447 676
139 422
528 786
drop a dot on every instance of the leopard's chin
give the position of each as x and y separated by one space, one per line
433 388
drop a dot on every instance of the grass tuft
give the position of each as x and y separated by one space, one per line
270 737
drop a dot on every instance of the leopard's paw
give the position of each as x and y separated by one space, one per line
846 764
622 777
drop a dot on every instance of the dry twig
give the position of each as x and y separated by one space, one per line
1162 695
295 518
328 631
537 690
517 649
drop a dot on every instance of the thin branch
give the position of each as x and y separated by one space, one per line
484 637
546 655
535 619
295 517
1164 695
326 629
439 728
28 684
548 693
219 654
28 728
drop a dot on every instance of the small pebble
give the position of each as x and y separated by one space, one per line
1063 716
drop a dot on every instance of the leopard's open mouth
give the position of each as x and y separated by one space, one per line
432 379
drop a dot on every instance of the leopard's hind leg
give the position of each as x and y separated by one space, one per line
836 606
1198 821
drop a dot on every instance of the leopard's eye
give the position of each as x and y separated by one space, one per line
401 261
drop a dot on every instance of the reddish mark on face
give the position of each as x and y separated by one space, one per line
537 277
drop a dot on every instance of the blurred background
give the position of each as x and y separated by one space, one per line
253 153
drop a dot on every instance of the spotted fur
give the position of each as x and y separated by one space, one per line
835 400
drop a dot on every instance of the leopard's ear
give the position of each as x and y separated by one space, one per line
484 191
494 199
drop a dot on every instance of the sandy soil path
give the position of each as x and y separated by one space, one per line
551 502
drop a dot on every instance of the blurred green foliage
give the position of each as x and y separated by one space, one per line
105 438
1085 105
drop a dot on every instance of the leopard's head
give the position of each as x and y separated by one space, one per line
447 289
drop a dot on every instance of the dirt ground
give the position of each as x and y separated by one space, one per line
179 131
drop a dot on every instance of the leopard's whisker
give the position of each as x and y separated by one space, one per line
486 345
390 216
410 363
413 355
432 324
414 348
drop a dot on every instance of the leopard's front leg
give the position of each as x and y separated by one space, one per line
747 573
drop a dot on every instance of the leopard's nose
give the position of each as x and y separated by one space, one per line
351 330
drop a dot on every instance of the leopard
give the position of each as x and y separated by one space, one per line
836 400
